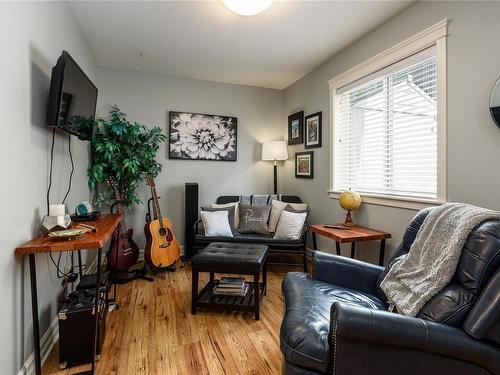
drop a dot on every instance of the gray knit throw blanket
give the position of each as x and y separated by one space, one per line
433 257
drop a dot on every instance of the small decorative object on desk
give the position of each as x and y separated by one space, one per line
66 234
349 201
84 212
57 219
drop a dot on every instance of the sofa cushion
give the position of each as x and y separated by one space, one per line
230 217
277 208
216 223
306 324
290 225
253 218
252 238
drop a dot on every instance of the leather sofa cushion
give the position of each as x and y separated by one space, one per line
450 306
253 238
306 324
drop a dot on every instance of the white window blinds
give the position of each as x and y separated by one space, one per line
386 131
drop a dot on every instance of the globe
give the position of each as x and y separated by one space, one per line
349 201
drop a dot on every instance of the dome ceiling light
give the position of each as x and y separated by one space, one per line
247 7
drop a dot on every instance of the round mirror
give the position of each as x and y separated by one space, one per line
495 103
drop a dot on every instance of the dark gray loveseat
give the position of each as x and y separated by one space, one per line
281 252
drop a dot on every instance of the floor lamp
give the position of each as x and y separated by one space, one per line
274 151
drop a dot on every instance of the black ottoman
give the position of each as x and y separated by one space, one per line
242 259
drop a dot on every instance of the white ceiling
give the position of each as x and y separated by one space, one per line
207 41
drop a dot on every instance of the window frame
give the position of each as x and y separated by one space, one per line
435 35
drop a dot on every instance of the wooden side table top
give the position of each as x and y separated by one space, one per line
105 225
357 233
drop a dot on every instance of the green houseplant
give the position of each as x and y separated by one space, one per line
124 151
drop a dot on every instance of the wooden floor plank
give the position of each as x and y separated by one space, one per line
153 332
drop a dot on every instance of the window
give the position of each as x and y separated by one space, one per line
388 129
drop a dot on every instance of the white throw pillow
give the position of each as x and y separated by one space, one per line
236 211
277 208
290 225
216 223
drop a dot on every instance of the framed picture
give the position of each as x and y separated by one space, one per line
295 128
197 136
304 164
313 130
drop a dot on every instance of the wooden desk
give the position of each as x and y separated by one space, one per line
106 224
357 233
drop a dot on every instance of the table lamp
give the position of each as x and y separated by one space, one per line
274 151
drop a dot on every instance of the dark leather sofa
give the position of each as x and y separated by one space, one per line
336 322
281 252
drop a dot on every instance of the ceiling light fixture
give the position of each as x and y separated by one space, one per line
247 7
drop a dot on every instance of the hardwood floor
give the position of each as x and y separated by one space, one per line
154 332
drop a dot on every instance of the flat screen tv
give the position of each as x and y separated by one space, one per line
72 99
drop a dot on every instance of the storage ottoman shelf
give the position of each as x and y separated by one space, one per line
207 298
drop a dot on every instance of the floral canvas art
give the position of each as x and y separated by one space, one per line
196 136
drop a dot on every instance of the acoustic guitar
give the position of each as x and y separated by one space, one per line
123 251
162 249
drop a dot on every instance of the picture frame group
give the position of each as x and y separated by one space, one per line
307 130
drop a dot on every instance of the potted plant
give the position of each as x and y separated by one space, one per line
124 151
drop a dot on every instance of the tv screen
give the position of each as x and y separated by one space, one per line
72 99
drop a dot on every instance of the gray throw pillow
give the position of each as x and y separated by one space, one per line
230 216
253 218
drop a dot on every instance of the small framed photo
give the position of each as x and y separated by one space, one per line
313 130
295 128
304 164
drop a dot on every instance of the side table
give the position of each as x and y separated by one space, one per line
357 233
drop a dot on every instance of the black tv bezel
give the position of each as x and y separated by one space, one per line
55 93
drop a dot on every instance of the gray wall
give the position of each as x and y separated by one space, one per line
147 98
32 36
473 140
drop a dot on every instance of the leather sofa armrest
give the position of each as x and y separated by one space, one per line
346 272
380 328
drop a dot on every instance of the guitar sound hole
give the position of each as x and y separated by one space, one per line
163 232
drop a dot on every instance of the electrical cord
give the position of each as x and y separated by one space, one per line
51 164
61 274
72 168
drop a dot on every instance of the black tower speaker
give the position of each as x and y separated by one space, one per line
191 215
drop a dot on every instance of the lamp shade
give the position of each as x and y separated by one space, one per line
274 150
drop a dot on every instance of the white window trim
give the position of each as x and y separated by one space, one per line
434 35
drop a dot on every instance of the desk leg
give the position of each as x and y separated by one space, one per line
382 253
353 250
194 289
315 243
96 309
337 246
256 295
80 271
34 311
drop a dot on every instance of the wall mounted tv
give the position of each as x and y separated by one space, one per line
72 99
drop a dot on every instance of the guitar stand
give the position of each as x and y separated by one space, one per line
123 277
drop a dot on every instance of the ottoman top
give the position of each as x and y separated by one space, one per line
234 257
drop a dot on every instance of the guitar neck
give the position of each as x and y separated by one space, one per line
122 224
156 206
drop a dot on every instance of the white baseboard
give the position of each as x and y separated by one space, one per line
47 342
50 336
